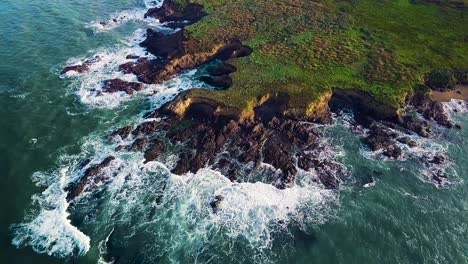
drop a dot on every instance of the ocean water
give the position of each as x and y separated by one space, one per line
144 214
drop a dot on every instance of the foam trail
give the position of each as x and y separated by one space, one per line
252 211
88 85
51 231
123 17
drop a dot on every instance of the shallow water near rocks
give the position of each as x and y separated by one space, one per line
151 216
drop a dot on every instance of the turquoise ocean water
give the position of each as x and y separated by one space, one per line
48 122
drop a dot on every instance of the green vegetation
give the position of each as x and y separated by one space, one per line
307 47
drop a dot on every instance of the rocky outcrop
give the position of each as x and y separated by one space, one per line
362 104
428 108
92 175
118 85
123 132
174 57
81 68
212 135
176 14
167 46
175 52
222 81
154 150
216 203
239 142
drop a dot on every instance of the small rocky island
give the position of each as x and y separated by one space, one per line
276 69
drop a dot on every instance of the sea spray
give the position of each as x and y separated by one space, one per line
50 231
456 107
89 88
137 14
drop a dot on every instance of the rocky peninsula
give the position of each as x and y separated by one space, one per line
277 69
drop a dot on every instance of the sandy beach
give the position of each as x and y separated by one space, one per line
460 93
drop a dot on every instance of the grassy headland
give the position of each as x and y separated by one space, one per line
306 48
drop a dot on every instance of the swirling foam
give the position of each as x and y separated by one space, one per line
88 85
50 231
137 14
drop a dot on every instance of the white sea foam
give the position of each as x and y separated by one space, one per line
123 17
153 3
88 85
50 231
251 211
456 107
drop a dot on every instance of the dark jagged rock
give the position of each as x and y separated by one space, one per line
138 144
94 170
154 150
132 57
439 178
76 68
162 45
413 123
147 71
173 57
431 110
123 132
118 85
146 128
205 131
216 203
176 15
362 104
91 174
81 68
439 159
222 81
223 69
407 141
393 151
277 153
379 138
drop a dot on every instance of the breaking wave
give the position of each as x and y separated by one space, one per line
144 208
117 19
455 107
50 231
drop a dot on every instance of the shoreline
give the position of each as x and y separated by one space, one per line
459 93
208 126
